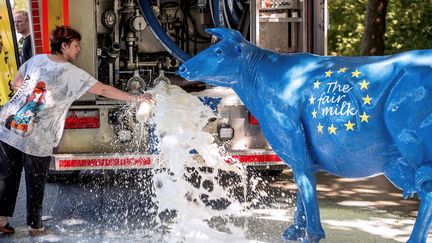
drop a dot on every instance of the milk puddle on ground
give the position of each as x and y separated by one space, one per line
179 119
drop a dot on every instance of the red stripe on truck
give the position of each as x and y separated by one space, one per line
45 34
109 162
66 12
261 158
145 161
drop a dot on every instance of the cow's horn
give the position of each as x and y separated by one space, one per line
224 33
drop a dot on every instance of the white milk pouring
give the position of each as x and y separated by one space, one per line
179 120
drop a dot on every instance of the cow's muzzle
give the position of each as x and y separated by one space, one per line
185 73
182 69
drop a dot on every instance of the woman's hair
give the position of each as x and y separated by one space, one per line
60 35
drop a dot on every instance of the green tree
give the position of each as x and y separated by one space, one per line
409 26
346 26
20 5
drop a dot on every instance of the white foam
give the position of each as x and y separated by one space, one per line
143 112
179 120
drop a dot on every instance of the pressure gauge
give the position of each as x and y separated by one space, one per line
109 19
136 84
138 23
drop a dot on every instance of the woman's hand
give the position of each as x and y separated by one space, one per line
144 98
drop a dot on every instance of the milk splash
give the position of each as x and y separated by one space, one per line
179 119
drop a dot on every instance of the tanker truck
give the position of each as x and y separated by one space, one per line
134 44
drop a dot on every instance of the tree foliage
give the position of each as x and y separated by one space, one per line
409 26
20 5
346 26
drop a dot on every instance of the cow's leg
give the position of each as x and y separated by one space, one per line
297 231
401 174
423 181
306 183
423 220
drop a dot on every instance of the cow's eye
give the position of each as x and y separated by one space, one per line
218 52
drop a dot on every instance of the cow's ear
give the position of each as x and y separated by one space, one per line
218 32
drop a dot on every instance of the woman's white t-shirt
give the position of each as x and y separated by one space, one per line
33 119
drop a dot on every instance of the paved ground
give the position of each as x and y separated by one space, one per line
120 209
362 210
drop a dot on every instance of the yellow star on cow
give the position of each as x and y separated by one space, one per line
342 70
364 84
356 73
349 126
332 129
314 114
320 128
312 100
317 84
364 117
328 73
367 100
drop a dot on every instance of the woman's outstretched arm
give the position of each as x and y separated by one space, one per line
114 93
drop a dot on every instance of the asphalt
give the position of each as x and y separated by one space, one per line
120 208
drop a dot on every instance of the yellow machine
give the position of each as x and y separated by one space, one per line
8 54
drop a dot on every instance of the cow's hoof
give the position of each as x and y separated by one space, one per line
315 238
408 193
294 232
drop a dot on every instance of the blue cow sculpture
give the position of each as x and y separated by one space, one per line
349 116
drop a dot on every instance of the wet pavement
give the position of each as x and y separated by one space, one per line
120 208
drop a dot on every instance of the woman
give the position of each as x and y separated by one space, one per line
32 121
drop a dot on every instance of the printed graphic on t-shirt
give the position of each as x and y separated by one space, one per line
22 122
32 121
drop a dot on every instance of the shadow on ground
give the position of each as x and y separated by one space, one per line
114 208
